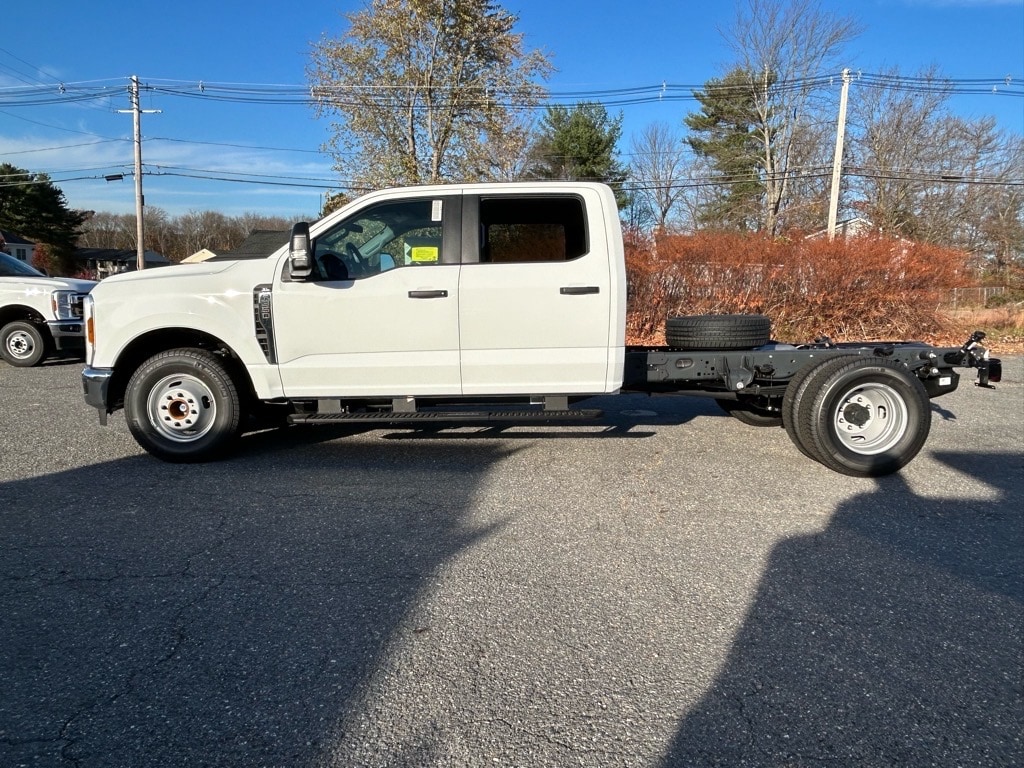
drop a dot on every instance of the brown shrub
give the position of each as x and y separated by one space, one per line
863 288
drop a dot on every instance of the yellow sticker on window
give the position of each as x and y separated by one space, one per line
423 254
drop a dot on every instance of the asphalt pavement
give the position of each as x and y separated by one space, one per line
667 587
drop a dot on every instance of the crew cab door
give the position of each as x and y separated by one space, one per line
535 310
379 316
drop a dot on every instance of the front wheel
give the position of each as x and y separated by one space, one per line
182 406
23 344
867 417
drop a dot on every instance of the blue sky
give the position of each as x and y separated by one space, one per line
595 45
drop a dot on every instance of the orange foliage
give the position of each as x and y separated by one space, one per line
864 288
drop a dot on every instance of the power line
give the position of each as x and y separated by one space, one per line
356 94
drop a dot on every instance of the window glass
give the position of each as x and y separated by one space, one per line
549 228
383 237
11 267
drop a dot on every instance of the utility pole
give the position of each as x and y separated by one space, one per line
837 161
137 110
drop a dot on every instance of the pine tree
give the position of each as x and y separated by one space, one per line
724 134
32 207
578 144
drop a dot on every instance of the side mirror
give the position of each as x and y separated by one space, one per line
300 257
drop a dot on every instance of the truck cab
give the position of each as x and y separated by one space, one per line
455 292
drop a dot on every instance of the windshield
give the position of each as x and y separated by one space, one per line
11 267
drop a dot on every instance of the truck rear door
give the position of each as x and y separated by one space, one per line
535 307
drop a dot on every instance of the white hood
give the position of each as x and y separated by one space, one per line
51 283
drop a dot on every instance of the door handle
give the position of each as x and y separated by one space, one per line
578 290
428 294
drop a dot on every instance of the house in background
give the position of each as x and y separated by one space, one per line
104 262
858 226
17 246
203 254
259 244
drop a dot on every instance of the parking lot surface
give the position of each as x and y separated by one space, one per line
667 587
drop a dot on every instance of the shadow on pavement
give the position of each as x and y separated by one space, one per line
223 613
891 638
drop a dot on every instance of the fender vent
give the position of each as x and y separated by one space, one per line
263 320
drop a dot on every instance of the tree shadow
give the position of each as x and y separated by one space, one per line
893 637
225 613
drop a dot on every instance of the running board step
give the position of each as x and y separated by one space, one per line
461 417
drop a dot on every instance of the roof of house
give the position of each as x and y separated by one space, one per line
202 254
259 244
12 239
118 255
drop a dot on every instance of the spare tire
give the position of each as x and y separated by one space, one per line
718 331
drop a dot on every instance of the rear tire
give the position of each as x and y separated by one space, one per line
866 417
183 406
718 331
802 382
23 344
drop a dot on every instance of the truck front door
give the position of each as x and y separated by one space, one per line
379 317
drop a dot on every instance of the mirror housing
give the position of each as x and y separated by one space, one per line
300 255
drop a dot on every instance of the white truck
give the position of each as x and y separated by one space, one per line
496 303
39 316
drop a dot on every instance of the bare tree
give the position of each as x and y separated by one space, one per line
925 174
893 140
784 46
421 86
109 230
1002 223
659 169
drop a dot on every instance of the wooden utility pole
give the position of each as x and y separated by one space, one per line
837 161
136 110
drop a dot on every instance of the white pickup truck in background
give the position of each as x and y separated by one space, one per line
39 315
496 303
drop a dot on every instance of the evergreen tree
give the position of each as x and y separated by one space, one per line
578 144
723 132
31 206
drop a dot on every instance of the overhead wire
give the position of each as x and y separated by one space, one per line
41 93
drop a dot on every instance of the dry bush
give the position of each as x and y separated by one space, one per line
862 288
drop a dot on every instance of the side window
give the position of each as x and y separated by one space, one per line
380 238
525 229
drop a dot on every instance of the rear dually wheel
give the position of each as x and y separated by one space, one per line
865 417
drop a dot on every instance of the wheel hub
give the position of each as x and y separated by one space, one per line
870 419
179 410
19 344
856 414
182 407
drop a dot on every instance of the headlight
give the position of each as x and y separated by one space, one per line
67 305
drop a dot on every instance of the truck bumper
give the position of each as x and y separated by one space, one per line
67 334
96 383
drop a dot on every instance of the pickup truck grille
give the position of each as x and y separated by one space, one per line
77 302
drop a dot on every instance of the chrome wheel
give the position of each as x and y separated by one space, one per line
181 407
870 419
21 345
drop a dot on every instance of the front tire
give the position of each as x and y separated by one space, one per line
183 406
23 344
